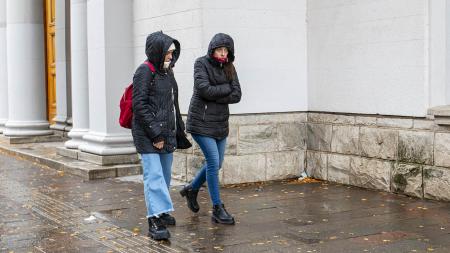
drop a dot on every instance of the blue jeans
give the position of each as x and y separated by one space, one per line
214 151
157 169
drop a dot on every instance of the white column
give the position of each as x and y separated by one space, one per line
26 69
447 53
3 69
110 70
79 56
61 73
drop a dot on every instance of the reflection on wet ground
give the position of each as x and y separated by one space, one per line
43 210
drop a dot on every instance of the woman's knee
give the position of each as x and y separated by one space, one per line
213 164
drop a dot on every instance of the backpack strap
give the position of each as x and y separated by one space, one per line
150 66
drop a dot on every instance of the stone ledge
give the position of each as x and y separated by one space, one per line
71 153
32 139
441 114
47 156
108 159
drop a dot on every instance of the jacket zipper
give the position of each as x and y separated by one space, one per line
173 108
204 113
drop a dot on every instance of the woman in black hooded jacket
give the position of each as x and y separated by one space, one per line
155 96
216 85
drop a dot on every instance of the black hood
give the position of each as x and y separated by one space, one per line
156 47
221 40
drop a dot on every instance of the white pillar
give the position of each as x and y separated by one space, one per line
61 66
26 71
79 56
110 70
3 69
447 53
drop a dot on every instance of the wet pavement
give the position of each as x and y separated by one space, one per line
44 210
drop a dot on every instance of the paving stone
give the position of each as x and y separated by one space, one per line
322 216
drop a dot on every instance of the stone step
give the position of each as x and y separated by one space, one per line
46 154
33 139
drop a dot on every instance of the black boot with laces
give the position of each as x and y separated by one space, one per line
157 230
220 215
168 219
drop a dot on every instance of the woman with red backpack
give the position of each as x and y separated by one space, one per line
156 120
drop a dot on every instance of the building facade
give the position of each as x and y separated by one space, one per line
355 92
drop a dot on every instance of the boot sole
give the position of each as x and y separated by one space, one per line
159 236
222 222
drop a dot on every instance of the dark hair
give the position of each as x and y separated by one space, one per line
229 70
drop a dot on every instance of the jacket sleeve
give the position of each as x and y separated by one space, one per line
141 104
235 95
206 90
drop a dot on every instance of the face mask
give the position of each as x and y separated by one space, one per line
166 64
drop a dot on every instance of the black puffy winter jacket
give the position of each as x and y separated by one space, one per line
154 96
208 110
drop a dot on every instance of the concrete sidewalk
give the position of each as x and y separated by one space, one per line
45 210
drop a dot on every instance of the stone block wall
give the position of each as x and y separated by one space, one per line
405 155
260 147
398 154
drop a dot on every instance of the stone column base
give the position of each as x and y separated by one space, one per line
60 124
27 128
76 138
98 149
108 159
98 159
107 145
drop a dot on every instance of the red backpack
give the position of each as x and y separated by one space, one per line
126 102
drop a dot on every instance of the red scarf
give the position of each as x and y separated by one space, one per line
221 60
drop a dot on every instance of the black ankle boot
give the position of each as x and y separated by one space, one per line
168 219
220 215
157 230
191 197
